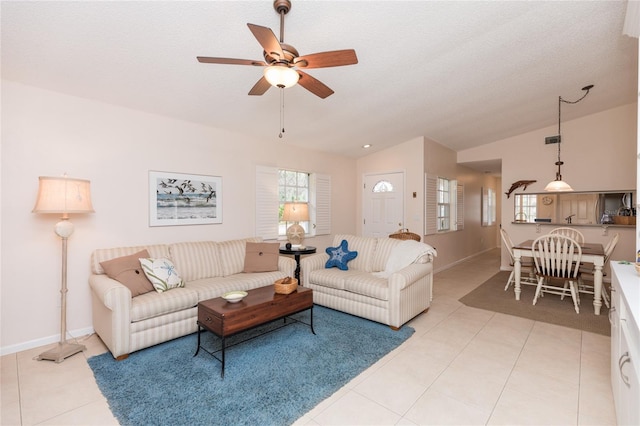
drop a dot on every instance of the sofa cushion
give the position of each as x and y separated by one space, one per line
340 256
368 285
332 278
128 271
365 246
196 260
261 257
153 304
162 273
383 250
232 254
101 255
209 288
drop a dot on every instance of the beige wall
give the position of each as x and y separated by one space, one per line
599 152
47 134
417 157
407 158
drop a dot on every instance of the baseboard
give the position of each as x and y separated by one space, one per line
11 349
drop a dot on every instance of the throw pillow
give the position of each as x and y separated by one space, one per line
127 270
261 257
162 274
339 256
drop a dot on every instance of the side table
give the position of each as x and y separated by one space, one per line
297 252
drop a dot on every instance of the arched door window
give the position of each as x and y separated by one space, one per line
383 186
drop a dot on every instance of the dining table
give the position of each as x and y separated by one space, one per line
591 252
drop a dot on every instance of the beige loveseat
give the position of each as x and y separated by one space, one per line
209 269
372 287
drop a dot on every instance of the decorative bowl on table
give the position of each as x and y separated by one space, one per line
234 296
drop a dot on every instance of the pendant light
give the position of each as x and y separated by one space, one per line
558 185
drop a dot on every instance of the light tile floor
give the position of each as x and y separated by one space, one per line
462 366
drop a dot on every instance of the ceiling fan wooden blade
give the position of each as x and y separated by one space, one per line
267 40
260 87
314 85
230 61
334 58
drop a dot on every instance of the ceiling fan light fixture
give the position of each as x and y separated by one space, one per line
281 76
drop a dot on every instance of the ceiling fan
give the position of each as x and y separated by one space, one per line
283 64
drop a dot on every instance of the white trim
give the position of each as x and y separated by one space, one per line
82 334
267 202
320 203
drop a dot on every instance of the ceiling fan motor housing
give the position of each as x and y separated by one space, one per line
290 53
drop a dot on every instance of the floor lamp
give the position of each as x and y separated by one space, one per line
63 195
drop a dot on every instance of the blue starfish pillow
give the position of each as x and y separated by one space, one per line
339 256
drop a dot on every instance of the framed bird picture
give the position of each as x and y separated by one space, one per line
184 199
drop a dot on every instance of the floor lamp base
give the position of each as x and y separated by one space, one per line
61 351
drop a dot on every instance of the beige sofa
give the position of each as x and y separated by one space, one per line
369 288
209 269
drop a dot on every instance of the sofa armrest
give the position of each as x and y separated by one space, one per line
409 275
110 292
287 265
111 312
311 263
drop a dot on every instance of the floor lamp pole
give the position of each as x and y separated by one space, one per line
63 349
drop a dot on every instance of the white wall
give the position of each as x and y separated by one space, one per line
599 152
47 134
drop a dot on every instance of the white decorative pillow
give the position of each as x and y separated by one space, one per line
162 273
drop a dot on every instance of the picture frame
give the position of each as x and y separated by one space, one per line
184 199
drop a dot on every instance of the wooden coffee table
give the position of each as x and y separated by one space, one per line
260 306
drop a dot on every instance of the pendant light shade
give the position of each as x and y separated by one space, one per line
281 76
558 186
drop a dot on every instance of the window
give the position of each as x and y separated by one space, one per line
525 207
488 206
383 186
444 205
292 186
313 188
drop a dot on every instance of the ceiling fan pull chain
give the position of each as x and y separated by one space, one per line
281 112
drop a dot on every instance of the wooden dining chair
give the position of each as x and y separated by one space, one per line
557 261
587 270
569 232
527 275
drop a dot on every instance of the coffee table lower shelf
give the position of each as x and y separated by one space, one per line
261 306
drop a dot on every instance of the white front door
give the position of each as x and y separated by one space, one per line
383 204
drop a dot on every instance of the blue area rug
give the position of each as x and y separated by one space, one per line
271 379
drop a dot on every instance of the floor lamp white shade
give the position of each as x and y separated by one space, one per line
295 212
63 195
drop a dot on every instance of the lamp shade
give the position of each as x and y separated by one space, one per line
63 195
558 186
281 76
295 212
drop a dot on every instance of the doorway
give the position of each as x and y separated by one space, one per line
383 204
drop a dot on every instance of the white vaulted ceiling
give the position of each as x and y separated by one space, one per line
460 73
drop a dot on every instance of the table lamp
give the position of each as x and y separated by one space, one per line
63 195
295 212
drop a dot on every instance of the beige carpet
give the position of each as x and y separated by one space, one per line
491 296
